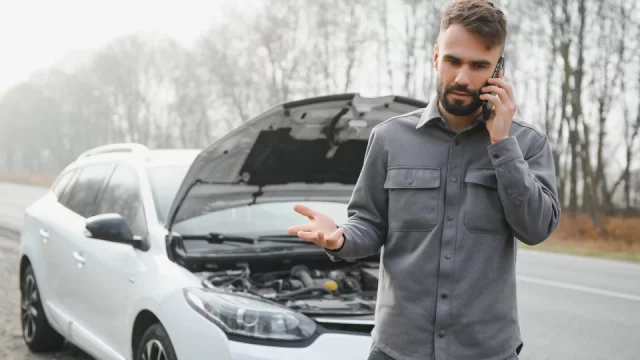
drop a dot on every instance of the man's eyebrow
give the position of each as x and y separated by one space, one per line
475 62
451 57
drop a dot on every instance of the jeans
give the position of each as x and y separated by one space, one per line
377 354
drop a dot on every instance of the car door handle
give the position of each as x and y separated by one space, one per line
45 235
79 258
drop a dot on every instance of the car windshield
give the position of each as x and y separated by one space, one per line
251 221
259 219
165 181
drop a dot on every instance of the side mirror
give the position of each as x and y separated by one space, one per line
111 227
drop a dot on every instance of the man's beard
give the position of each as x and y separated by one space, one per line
457 107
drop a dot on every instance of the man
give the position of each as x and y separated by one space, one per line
447 194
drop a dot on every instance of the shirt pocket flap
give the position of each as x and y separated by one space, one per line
412 178
485 177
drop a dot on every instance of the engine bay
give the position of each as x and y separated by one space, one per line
313 289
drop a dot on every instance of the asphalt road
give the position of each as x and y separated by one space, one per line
570 307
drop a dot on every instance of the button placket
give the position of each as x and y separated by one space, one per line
449 235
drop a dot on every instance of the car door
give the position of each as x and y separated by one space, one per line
69 242
56 264
110 267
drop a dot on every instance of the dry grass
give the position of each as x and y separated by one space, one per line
619 237
29 179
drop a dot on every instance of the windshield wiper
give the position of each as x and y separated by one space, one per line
218 238
288 239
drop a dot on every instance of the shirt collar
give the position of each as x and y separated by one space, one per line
432 114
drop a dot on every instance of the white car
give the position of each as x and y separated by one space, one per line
184 254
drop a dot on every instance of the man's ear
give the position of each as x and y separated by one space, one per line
435 56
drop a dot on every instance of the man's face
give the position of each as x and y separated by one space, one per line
464 65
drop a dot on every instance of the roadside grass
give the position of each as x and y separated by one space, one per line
598 249
618 239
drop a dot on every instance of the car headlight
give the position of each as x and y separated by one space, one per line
245 316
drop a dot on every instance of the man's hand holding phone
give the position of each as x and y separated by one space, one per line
504 107
321 230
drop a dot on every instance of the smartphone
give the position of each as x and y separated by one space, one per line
486 105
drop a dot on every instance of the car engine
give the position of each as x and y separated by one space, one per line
335 291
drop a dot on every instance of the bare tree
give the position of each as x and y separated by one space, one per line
386 40
631 130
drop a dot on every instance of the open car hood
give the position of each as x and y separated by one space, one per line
311 149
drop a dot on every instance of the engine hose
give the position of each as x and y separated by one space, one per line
302 273
303 292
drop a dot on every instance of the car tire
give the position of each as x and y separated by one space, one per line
37 333
154 341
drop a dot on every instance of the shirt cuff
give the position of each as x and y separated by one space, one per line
504 151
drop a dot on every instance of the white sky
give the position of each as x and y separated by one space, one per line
38 33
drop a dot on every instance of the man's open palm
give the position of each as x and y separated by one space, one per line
322 230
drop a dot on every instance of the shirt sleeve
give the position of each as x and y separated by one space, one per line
527 188
366 229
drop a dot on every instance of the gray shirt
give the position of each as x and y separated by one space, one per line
446 209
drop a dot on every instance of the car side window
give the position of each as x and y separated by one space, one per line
82 196
61 183
122 196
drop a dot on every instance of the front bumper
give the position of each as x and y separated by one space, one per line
194 337
334 346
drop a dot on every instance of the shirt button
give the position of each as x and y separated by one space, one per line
450 218
495 156
441 334
457 141
409 182
447 256
454 179
444 296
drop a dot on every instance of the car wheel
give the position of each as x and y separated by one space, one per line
155 345
36 330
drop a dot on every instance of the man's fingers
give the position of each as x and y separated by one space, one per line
505 85
495 100
296 228
304 211
308 235
313 236
319 237
502 93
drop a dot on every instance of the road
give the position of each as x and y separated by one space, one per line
570 307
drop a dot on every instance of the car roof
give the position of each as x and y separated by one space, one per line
136 154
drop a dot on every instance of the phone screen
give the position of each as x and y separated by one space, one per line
486 105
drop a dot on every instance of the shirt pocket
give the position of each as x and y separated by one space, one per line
484 213
413 198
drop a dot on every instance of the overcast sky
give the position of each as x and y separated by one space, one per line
38 33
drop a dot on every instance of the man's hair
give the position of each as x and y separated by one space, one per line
480 17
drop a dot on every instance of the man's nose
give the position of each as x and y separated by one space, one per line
463 77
